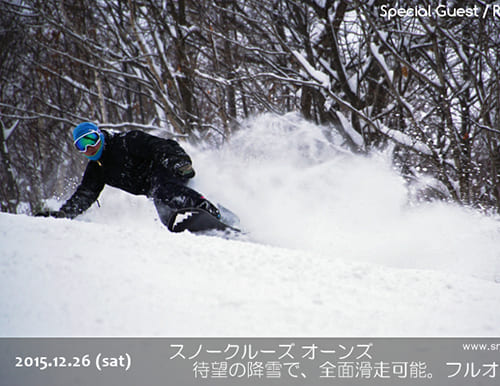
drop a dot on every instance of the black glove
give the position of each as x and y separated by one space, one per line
181 168
51 213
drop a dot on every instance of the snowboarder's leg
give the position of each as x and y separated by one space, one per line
171 193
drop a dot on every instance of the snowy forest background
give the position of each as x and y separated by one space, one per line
427 88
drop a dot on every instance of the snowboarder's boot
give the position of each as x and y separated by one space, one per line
209 207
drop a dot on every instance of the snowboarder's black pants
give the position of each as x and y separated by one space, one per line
170 192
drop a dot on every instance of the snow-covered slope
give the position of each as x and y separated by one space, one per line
335 248
61 277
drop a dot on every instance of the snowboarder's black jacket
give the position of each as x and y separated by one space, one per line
129 162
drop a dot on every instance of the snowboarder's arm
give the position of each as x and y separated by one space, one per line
165 152
86 194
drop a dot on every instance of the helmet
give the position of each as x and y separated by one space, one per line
89 140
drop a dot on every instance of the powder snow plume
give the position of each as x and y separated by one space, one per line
294 188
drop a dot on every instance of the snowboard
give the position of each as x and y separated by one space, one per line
196 220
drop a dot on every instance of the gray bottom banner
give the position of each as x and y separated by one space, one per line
249 361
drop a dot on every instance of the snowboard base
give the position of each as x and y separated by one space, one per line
196 220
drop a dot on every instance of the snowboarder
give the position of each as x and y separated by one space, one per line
139 163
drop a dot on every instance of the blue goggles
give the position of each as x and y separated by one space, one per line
87 140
